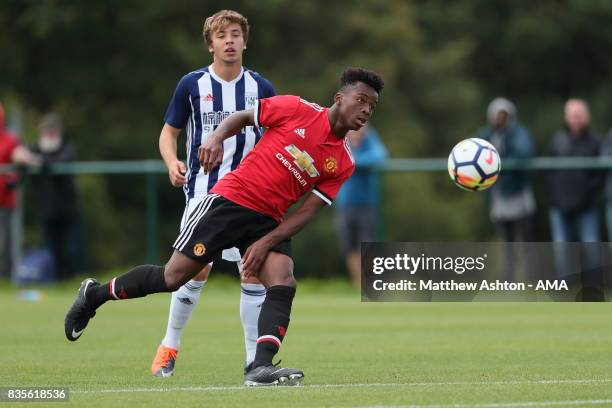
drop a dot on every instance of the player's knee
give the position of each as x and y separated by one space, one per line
172 283
179 269
277 270
203 274
174 278
286 279
289 281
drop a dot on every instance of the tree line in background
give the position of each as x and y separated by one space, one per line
110 68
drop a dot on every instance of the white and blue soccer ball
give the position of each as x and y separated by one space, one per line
474 164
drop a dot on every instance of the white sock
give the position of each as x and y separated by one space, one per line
184 300
252 296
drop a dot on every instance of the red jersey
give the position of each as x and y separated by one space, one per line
8 194
298 153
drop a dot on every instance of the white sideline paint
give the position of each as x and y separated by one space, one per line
381 385
503 404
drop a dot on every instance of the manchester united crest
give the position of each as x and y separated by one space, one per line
199 249
330 165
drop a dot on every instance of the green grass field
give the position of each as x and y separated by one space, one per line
353 354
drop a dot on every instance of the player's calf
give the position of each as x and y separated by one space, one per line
139 282
273 323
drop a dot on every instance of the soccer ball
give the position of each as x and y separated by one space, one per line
474 164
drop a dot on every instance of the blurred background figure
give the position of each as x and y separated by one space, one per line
358 200
55 199
574 193
606 150
511 200
10 152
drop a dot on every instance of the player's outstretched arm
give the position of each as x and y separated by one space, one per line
167 149
256 254
210 153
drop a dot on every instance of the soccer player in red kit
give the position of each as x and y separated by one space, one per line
303 151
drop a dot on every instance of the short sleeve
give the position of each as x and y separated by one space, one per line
274 111
179 108
267 90
328 188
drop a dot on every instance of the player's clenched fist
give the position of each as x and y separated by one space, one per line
176 173
210 153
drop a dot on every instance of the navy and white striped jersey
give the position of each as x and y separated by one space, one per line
199 104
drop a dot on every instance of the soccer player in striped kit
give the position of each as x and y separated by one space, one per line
202 99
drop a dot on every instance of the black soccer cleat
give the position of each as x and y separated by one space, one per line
80 312
263 376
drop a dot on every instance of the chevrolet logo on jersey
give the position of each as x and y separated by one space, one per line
303 160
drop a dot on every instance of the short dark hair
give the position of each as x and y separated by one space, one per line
350 76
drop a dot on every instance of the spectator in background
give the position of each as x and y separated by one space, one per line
358 200
56 199
606 150
573 196
10 152
511 199
574 193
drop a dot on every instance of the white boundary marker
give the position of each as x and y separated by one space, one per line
504 404
381 385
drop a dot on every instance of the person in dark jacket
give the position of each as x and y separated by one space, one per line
606 151
573 195
511 200
56 199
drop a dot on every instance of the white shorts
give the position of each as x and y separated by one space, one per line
231 254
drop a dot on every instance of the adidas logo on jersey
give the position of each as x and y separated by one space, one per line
208 98
300 132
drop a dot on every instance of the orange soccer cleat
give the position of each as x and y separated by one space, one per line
163 363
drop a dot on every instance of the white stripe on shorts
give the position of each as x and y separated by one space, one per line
194 218
186 214
192 221
192 215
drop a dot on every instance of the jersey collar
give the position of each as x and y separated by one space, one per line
219 79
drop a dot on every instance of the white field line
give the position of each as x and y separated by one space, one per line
504 404
365 385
